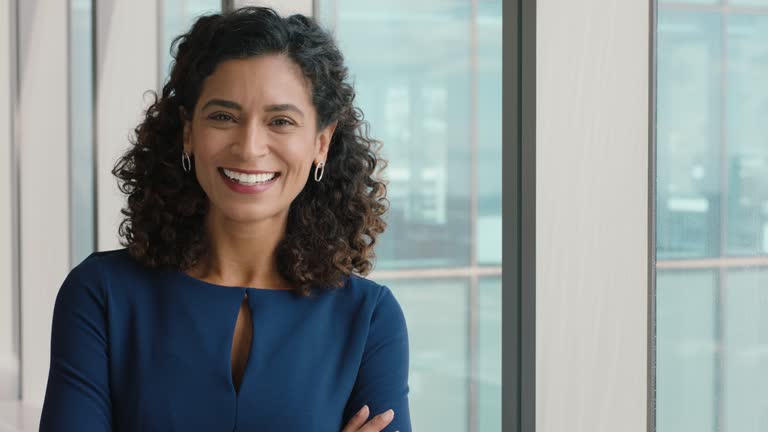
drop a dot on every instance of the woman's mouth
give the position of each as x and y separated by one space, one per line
248 183
249 179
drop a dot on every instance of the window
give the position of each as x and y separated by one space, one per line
428 78
712 207
176 19
81 130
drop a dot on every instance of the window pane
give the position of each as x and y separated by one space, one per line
688 135
82 209
437 318
711 334
748 2
488 376
747 146
420 69
686 350
414 87
746 351
177 18
489 132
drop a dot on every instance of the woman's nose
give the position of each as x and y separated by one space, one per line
252 142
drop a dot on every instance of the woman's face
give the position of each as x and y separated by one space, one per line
254 115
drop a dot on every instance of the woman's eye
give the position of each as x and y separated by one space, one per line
221 117
282 122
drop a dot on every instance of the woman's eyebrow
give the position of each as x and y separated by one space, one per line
283 107
222 103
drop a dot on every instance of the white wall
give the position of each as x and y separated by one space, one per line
592 214
44 179
127 55
127 67
9 367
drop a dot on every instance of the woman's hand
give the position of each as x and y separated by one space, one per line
375 425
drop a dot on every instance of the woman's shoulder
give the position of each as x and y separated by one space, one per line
96 271
108 257
86 284
91 268
363 288
377 297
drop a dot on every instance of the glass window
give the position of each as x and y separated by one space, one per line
488 375
82 181
428 78
687 349
712 204
438 373
745 351
748 2
688 134
488 84
177 18
746 144
411 62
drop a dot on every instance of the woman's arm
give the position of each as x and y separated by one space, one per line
382 381
77 397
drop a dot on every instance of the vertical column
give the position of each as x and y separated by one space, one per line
43 178
9 325
592 207
126 67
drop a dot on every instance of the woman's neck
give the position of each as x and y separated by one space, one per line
242 254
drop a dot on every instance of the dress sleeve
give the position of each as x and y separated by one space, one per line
77 396
382 381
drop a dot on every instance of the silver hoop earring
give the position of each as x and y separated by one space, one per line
322 171
185 162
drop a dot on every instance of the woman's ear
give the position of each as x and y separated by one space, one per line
186 126
323 142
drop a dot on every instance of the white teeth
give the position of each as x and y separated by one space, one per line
249 178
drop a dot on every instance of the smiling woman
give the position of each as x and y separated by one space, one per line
250 93
238 301
253 122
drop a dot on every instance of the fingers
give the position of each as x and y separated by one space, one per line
375 425
379 422
357 420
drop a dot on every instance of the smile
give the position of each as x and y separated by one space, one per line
249 179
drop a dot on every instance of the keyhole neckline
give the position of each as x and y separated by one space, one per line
250 290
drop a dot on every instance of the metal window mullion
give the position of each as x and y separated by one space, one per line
519 138
94 122
720 316
652 147
70 145
472 337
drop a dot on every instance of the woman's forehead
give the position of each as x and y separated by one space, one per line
257 82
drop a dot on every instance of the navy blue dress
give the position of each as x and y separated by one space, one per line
137 349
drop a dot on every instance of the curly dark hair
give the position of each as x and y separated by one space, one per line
332 225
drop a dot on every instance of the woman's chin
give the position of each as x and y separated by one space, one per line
245 214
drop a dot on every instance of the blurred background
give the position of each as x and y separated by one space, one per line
73 77
712 216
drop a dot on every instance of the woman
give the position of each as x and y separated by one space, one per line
233 306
